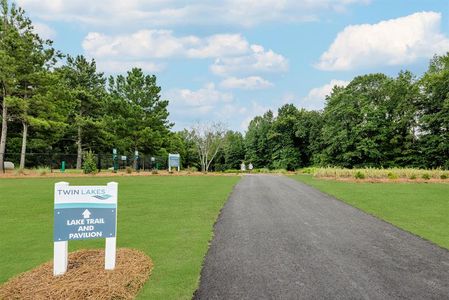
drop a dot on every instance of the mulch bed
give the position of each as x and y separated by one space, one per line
386 180
86 278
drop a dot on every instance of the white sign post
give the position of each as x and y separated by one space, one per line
84 212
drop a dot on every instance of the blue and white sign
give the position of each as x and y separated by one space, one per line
84 212
174 161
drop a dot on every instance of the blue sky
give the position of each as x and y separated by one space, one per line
234 59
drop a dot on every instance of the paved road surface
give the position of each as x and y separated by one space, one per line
279 239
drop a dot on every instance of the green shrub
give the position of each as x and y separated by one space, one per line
43 170
392 176
413 177
359 175
425 176
129 170
192 169
307 170
89 163
443 176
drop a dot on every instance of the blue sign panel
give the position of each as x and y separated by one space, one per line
79 223
173 160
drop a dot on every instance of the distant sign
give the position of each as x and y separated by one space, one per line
84 212
174 161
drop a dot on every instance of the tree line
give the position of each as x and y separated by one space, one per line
56 103
62 104
375 121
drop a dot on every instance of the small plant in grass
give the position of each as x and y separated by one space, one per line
154 171
129 170
392 176
359 175
19 172
89 163
42 171
192 169
443 176
425 176
413 177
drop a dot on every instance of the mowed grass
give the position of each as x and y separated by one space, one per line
420 208
170 218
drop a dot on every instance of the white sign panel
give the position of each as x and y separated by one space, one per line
84 212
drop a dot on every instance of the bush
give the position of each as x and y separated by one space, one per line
425 176
308 170
154 171
392 176
359 175
89 163
129 170
443 176
413 177
192 169
19 172
42 171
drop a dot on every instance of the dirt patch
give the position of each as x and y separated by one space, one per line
58 174
85 278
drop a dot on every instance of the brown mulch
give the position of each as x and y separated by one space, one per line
58 174
86 278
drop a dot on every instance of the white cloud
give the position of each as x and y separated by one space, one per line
233 53
44 31
220 45
316 97
176 12
199 102
256 109
247 83
122 66
392 42
143 43
257 60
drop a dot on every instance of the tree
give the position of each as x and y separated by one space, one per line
137 114
208 139
234 150
22 56
282 136
356 124
434 114
86 90
257 144
308 133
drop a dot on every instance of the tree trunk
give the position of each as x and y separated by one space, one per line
4 130
80 149
24 145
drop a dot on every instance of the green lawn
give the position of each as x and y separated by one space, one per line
170 218
420 208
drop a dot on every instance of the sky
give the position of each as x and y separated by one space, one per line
232 60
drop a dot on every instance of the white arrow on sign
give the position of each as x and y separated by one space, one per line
86 214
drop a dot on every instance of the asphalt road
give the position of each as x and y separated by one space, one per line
280 239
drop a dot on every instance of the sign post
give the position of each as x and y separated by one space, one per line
173 161
84 212
114 160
